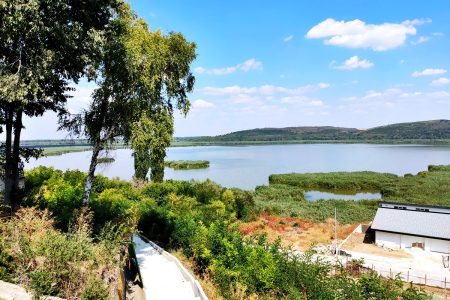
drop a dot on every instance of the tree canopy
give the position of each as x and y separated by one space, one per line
141 73
44 46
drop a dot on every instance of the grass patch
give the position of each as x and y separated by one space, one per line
340 182
105 160
284 195
187 164
54 151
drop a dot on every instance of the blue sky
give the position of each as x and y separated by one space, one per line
350 63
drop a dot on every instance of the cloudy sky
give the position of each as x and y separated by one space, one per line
353 63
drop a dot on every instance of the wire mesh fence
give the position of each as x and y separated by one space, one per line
415 276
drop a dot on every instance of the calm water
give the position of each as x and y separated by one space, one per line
248 166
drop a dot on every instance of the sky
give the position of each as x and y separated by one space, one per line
349 63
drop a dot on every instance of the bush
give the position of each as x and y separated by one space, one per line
51 262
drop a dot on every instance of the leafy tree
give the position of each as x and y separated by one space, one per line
142 72
43 46
151 136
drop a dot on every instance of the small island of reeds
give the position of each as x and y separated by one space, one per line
187 164
105 160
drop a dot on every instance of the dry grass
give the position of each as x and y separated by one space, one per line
294 232
355 243
210 289
72 262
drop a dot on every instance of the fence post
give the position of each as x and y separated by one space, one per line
445 282
407 277
425 278
390 272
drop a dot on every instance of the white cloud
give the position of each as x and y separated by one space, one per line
302 100
355 62
428 72
251 64
358 34
440 81
246 66
263 90
221 71
288 38
421 39
200 103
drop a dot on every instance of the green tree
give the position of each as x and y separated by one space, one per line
142 72
44 45
151 135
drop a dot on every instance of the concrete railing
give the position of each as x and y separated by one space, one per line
196 287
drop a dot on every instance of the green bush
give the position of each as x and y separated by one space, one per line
95 290
51 262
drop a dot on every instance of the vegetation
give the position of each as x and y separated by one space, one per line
427 131
74 264
141 75
285 193
351 182
201 219
286 200
105 160
187 164
150 138
44 46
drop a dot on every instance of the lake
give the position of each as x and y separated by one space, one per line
249 166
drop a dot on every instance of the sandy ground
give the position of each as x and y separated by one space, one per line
299 234
355 243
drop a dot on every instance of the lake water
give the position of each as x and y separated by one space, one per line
249 166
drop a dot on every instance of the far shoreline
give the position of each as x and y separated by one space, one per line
58 147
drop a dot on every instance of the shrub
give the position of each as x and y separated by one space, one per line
51 262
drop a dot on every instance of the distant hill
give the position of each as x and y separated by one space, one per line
426 130
436 129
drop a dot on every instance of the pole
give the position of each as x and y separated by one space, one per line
335 230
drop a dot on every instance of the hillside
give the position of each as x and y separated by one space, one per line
436 129
425 130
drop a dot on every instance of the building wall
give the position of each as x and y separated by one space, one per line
387 239
402 241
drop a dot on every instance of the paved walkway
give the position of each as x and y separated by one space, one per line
162 279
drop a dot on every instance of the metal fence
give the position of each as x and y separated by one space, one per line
414 276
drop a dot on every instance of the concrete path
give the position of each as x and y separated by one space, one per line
161 277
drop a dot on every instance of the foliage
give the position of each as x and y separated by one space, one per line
151 135
105 160
142 75
201 219
350 182
284 195
187 164
51 262
44 45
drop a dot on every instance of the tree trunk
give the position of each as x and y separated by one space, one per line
8 166
16 167
91 173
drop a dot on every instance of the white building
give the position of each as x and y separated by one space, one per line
403 226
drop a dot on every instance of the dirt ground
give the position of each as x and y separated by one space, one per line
297 233
355 243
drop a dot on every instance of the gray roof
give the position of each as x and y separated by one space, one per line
412 222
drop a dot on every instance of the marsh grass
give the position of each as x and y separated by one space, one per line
187 164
